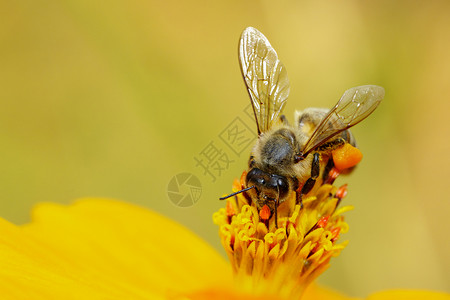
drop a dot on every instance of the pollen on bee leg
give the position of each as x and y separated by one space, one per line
346 156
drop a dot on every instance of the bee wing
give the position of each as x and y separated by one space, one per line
354 106
265 76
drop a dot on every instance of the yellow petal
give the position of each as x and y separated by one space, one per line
409 295
316 292
99 248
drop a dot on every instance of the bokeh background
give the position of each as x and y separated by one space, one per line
114 98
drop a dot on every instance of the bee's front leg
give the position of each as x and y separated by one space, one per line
309 184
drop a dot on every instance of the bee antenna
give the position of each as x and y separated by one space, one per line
238 192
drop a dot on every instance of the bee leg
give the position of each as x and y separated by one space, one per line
334 144
328 167
309 184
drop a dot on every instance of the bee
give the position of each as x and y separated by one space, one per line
290 158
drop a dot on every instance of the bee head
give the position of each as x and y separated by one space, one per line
268 187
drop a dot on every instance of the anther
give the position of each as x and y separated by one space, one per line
264 213
341 192
334 173
323 221
335 234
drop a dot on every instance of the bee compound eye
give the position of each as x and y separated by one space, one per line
283 186
282 183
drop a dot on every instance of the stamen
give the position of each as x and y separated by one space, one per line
282 260
341 192
264 213
334 173
323 221
335 234
230 209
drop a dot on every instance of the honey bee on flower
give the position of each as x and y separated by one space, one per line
298 157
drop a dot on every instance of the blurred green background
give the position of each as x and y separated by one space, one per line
113 99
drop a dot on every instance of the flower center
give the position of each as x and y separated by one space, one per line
281 259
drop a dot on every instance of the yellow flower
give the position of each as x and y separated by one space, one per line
107 249
281 254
